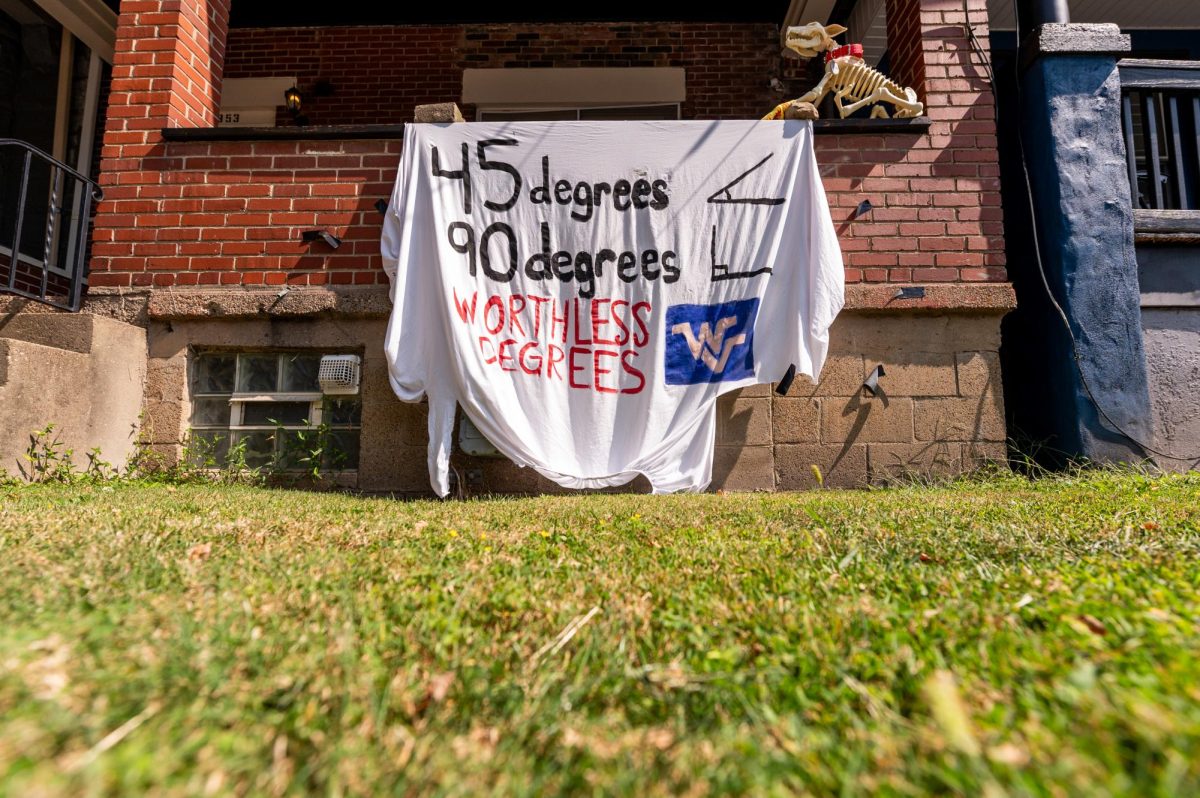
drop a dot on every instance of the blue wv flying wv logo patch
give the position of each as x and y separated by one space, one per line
710 343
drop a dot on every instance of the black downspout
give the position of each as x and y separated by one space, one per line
1035 13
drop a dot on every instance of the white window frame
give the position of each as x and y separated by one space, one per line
481 112
238 402
517 89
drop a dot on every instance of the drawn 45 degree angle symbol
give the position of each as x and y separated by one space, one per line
724 196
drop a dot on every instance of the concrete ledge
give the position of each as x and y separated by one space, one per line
240 303
939 298
1081 38
166 305
71 332
17 304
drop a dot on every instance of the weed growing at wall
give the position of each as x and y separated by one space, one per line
48 459
306 457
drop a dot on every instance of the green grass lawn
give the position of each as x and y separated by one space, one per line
989 637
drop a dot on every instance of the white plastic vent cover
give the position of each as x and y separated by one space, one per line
339 374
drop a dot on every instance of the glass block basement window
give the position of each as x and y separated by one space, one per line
266 408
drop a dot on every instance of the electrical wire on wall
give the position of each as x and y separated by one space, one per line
1194 457
984 61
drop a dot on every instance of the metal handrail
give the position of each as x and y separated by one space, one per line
28 278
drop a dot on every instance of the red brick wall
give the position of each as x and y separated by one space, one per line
232 212
728 66
936 196
379 74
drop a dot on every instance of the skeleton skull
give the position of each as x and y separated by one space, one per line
811 39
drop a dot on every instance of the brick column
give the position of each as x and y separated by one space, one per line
957 164
167 70
930 50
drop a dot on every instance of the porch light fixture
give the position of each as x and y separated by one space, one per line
291 100
309 236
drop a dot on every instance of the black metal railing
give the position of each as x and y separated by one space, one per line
1161 121
45 218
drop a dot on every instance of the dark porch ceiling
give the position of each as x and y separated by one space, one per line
289 13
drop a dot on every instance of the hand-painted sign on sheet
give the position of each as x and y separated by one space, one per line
585 291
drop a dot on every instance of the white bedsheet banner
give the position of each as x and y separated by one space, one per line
586 290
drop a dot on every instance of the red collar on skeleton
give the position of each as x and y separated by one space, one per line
855 50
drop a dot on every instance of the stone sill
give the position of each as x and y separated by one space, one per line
326 132
1166 223
1179 299
374 302
208 303
939 298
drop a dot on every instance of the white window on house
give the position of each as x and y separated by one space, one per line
616 112
585 93
267 410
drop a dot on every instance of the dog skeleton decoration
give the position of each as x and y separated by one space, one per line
847 76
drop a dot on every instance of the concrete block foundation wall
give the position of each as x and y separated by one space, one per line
941 415
940 411
392 453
